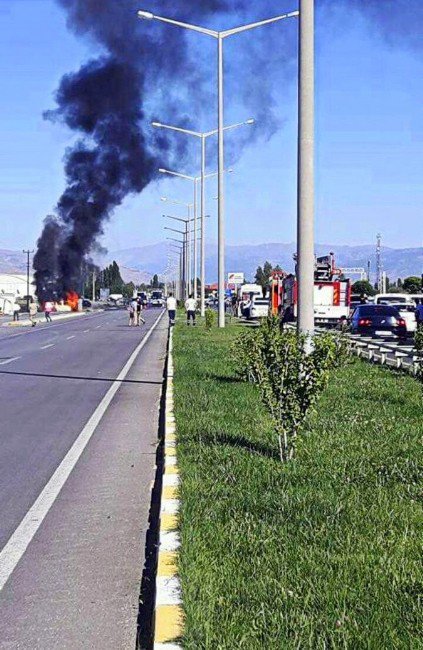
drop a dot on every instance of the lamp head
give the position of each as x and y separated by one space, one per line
163 198
145 15
155 123
250 121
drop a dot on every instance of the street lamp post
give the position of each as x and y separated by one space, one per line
219 36
305 219
203 176
188 206
195 180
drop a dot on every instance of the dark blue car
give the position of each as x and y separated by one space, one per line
378 320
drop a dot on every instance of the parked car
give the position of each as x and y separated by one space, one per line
258 307
86 303
379 320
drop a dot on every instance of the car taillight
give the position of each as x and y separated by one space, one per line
401 322
365 321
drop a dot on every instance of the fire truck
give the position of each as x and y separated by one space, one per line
332 293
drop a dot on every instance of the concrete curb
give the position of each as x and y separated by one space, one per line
27 323
169 619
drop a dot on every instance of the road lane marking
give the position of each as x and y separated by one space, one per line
49 345
21 538
4 363
98 327
85 331
68 338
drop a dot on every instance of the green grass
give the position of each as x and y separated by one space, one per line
321 553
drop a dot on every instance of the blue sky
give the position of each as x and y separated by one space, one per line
369 154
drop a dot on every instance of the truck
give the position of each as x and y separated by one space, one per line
332 293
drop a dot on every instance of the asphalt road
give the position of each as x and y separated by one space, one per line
77 583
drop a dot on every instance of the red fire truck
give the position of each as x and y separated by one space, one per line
332 293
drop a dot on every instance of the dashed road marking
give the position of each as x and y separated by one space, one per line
98 327
4 363
85 331
49 345
68 338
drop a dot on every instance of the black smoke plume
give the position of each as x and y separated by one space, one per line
148 71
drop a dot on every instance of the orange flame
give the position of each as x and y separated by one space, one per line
72 300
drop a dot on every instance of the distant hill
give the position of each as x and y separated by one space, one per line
398 263
141 263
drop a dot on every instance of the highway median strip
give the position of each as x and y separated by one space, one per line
324 549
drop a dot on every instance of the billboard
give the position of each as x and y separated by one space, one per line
235 278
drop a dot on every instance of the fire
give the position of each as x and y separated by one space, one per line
72 300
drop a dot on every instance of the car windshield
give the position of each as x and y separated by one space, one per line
376 310
156 294
392 300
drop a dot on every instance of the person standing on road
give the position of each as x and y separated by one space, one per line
140 319
132 308
419 314
16 310
191 308
171 309
33 313
48 308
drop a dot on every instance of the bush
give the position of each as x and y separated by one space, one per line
290 378
209 314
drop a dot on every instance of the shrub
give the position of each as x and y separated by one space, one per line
289 377
209 315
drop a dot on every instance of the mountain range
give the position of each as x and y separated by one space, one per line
141 263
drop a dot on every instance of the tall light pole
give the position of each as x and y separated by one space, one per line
27 253
203 135
219 36
305 220
195 180
188 206
181 247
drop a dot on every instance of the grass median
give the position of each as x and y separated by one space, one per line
323 552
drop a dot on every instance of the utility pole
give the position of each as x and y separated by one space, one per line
379 261
27 253
305 219
368 270
94 280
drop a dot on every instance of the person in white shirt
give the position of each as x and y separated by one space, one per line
190 308
171 308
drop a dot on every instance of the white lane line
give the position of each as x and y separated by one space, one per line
68 338
98 327
85 331
49 345
4 363
20 539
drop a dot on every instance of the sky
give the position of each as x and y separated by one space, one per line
369 136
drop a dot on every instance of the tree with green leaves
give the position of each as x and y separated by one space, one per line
363 286
412 284
263 274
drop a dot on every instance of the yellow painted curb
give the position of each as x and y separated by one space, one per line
167 567
170 492
169 623
168 521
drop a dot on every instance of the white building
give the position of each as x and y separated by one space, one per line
13 286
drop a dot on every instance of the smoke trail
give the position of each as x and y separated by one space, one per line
150 69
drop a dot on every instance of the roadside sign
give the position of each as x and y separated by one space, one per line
104 294
235 278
